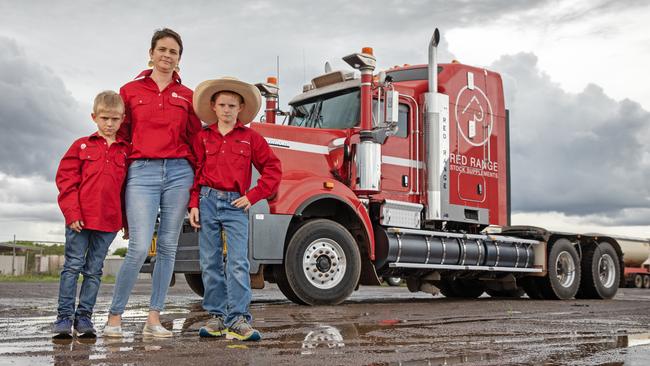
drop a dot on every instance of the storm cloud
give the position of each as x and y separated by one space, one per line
575 153
38 117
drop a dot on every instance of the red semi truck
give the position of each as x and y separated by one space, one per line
398 173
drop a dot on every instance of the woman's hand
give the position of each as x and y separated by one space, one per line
194 217
77 226
242 202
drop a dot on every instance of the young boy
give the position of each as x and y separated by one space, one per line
90 179
225 151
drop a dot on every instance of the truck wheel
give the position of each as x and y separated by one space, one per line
563 278
646 281
322 263
638 281
195 282
512 294
600 272
280 276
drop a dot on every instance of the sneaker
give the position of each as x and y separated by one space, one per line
213 328
157 331
242 331
83 327
62 328
113 331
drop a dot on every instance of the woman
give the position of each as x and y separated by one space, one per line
160 123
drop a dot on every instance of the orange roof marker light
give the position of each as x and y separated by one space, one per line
367 51
272 80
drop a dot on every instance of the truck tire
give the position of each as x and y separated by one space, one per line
512 294
600 272
322 263
280 276
646 281
563 278
195 282
638 281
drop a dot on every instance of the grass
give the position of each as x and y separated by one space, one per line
45 278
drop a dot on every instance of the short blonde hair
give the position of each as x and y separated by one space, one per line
108 100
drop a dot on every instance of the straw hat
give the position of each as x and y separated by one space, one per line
205 91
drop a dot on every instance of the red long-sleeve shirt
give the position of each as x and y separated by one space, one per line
159 124
224 163
90 179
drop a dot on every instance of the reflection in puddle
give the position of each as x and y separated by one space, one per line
325 336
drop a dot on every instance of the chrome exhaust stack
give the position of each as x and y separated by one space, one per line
436 127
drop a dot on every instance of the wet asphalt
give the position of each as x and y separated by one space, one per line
376 326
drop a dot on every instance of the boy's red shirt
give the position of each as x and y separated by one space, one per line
159 124
90 180
224 163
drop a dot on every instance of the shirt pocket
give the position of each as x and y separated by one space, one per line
211 153
90 158
179 109
120 165
241 154
120 159
140 107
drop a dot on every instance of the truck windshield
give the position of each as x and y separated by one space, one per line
335 111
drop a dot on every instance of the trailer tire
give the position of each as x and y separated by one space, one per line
511 294
563 278
195 282
532 287
322 262
638 281
280 276
646 281
600 272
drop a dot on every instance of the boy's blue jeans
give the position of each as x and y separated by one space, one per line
84 253
227 293
153 185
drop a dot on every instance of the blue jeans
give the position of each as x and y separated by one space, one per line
153 186
84 253
227 293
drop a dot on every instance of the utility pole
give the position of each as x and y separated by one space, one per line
13 258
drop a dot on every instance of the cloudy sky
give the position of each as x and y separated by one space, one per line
574 71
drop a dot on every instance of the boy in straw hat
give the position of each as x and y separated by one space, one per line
220 198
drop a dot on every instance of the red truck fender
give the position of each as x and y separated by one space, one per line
297 196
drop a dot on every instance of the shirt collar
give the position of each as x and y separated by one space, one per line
214 127
96 136
147 73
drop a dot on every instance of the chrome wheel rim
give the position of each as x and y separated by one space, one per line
606 270
565 269
324 263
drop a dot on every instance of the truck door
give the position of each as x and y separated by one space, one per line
399 168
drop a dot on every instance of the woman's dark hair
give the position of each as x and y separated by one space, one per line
164 33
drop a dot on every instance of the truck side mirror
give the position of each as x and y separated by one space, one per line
392 107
